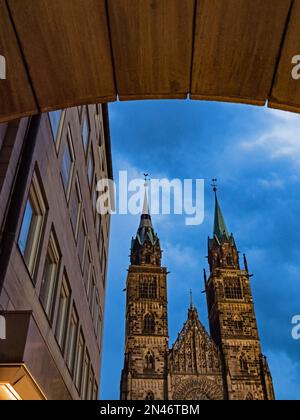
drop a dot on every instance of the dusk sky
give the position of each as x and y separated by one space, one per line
255 154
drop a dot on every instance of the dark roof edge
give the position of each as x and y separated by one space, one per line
107 140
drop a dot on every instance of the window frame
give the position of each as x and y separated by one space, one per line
57 138
61 336
91 176
83 226
57 256
70 146
70 354
77 191
78 370
39 207
85 118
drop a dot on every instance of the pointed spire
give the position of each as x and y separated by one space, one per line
146 204
191 300
145 216
219 224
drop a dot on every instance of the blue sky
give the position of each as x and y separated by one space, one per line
255 154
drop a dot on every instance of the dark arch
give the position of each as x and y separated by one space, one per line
149 361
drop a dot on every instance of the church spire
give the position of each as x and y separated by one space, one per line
145 247
222 248
219 223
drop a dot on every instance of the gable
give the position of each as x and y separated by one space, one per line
194 350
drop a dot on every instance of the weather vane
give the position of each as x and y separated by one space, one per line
146 177
214 184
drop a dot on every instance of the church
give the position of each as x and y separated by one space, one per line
226 364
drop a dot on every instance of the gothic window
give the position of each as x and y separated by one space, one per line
229 260
238 324
233 289
249 397
149 396
149 361
149 324
148 288
243 363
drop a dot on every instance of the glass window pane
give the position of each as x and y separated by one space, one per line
55 117
32 223
64 300
66 166
27 219
79 362
73 330
91 166
50 278
85 133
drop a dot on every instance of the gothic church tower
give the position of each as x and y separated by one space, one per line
228 363
146 346
232 318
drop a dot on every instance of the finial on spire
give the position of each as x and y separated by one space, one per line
214 185
146 177
191 299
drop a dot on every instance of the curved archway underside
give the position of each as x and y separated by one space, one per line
62 53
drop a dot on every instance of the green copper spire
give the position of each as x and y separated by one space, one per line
219 223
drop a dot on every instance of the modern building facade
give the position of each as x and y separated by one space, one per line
53 254
227 364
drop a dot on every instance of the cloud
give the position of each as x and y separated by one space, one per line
285 373
278 139
180 256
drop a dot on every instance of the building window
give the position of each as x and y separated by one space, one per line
62 315
85 131
233 289
149 396
149 361
229 260
68 163
90 393
50 277
238 325
32 224
55 123
95 197
79 361
88 271
76 206
91 168
95 391
85 376
243 363
95 310
92 292
149 324
71 342
82 241
99 325
98 123
98 230
148 288
103 258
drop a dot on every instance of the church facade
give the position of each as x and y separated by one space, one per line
226 364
